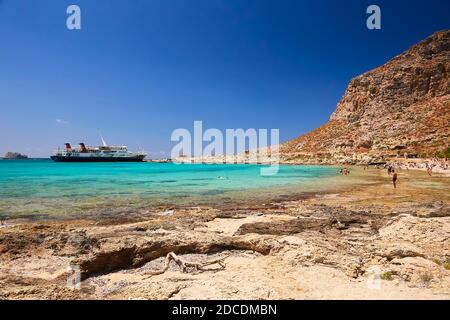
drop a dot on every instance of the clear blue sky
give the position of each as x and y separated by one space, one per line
139 69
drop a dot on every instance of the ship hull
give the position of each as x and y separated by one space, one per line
97 159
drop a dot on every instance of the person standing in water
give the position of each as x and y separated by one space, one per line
394 178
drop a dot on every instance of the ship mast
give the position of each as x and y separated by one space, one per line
103 140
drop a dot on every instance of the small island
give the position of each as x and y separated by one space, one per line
15 156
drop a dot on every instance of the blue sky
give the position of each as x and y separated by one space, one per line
139 69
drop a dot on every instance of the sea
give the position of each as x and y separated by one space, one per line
41 188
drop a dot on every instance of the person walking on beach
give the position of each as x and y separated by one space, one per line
429 169
394 178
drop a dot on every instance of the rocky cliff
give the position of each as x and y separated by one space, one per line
402 107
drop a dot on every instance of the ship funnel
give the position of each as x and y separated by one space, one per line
68 146
82 147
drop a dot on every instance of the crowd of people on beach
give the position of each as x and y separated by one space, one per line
429 165
394 166
437 164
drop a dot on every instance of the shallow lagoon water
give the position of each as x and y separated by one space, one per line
35 188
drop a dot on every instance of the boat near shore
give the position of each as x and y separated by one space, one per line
102 153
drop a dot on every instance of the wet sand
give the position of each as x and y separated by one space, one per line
362 240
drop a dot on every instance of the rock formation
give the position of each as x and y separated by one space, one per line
15 156
402 107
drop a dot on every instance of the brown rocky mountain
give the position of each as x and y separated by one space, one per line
400 107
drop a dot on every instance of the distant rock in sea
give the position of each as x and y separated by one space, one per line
15 156
401 108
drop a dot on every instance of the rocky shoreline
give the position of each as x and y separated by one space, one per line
369 241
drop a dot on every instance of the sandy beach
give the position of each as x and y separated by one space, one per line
365 241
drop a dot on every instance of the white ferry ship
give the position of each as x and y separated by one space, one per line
102 153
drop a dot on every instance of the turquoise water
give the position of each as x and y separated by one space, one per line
39 188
